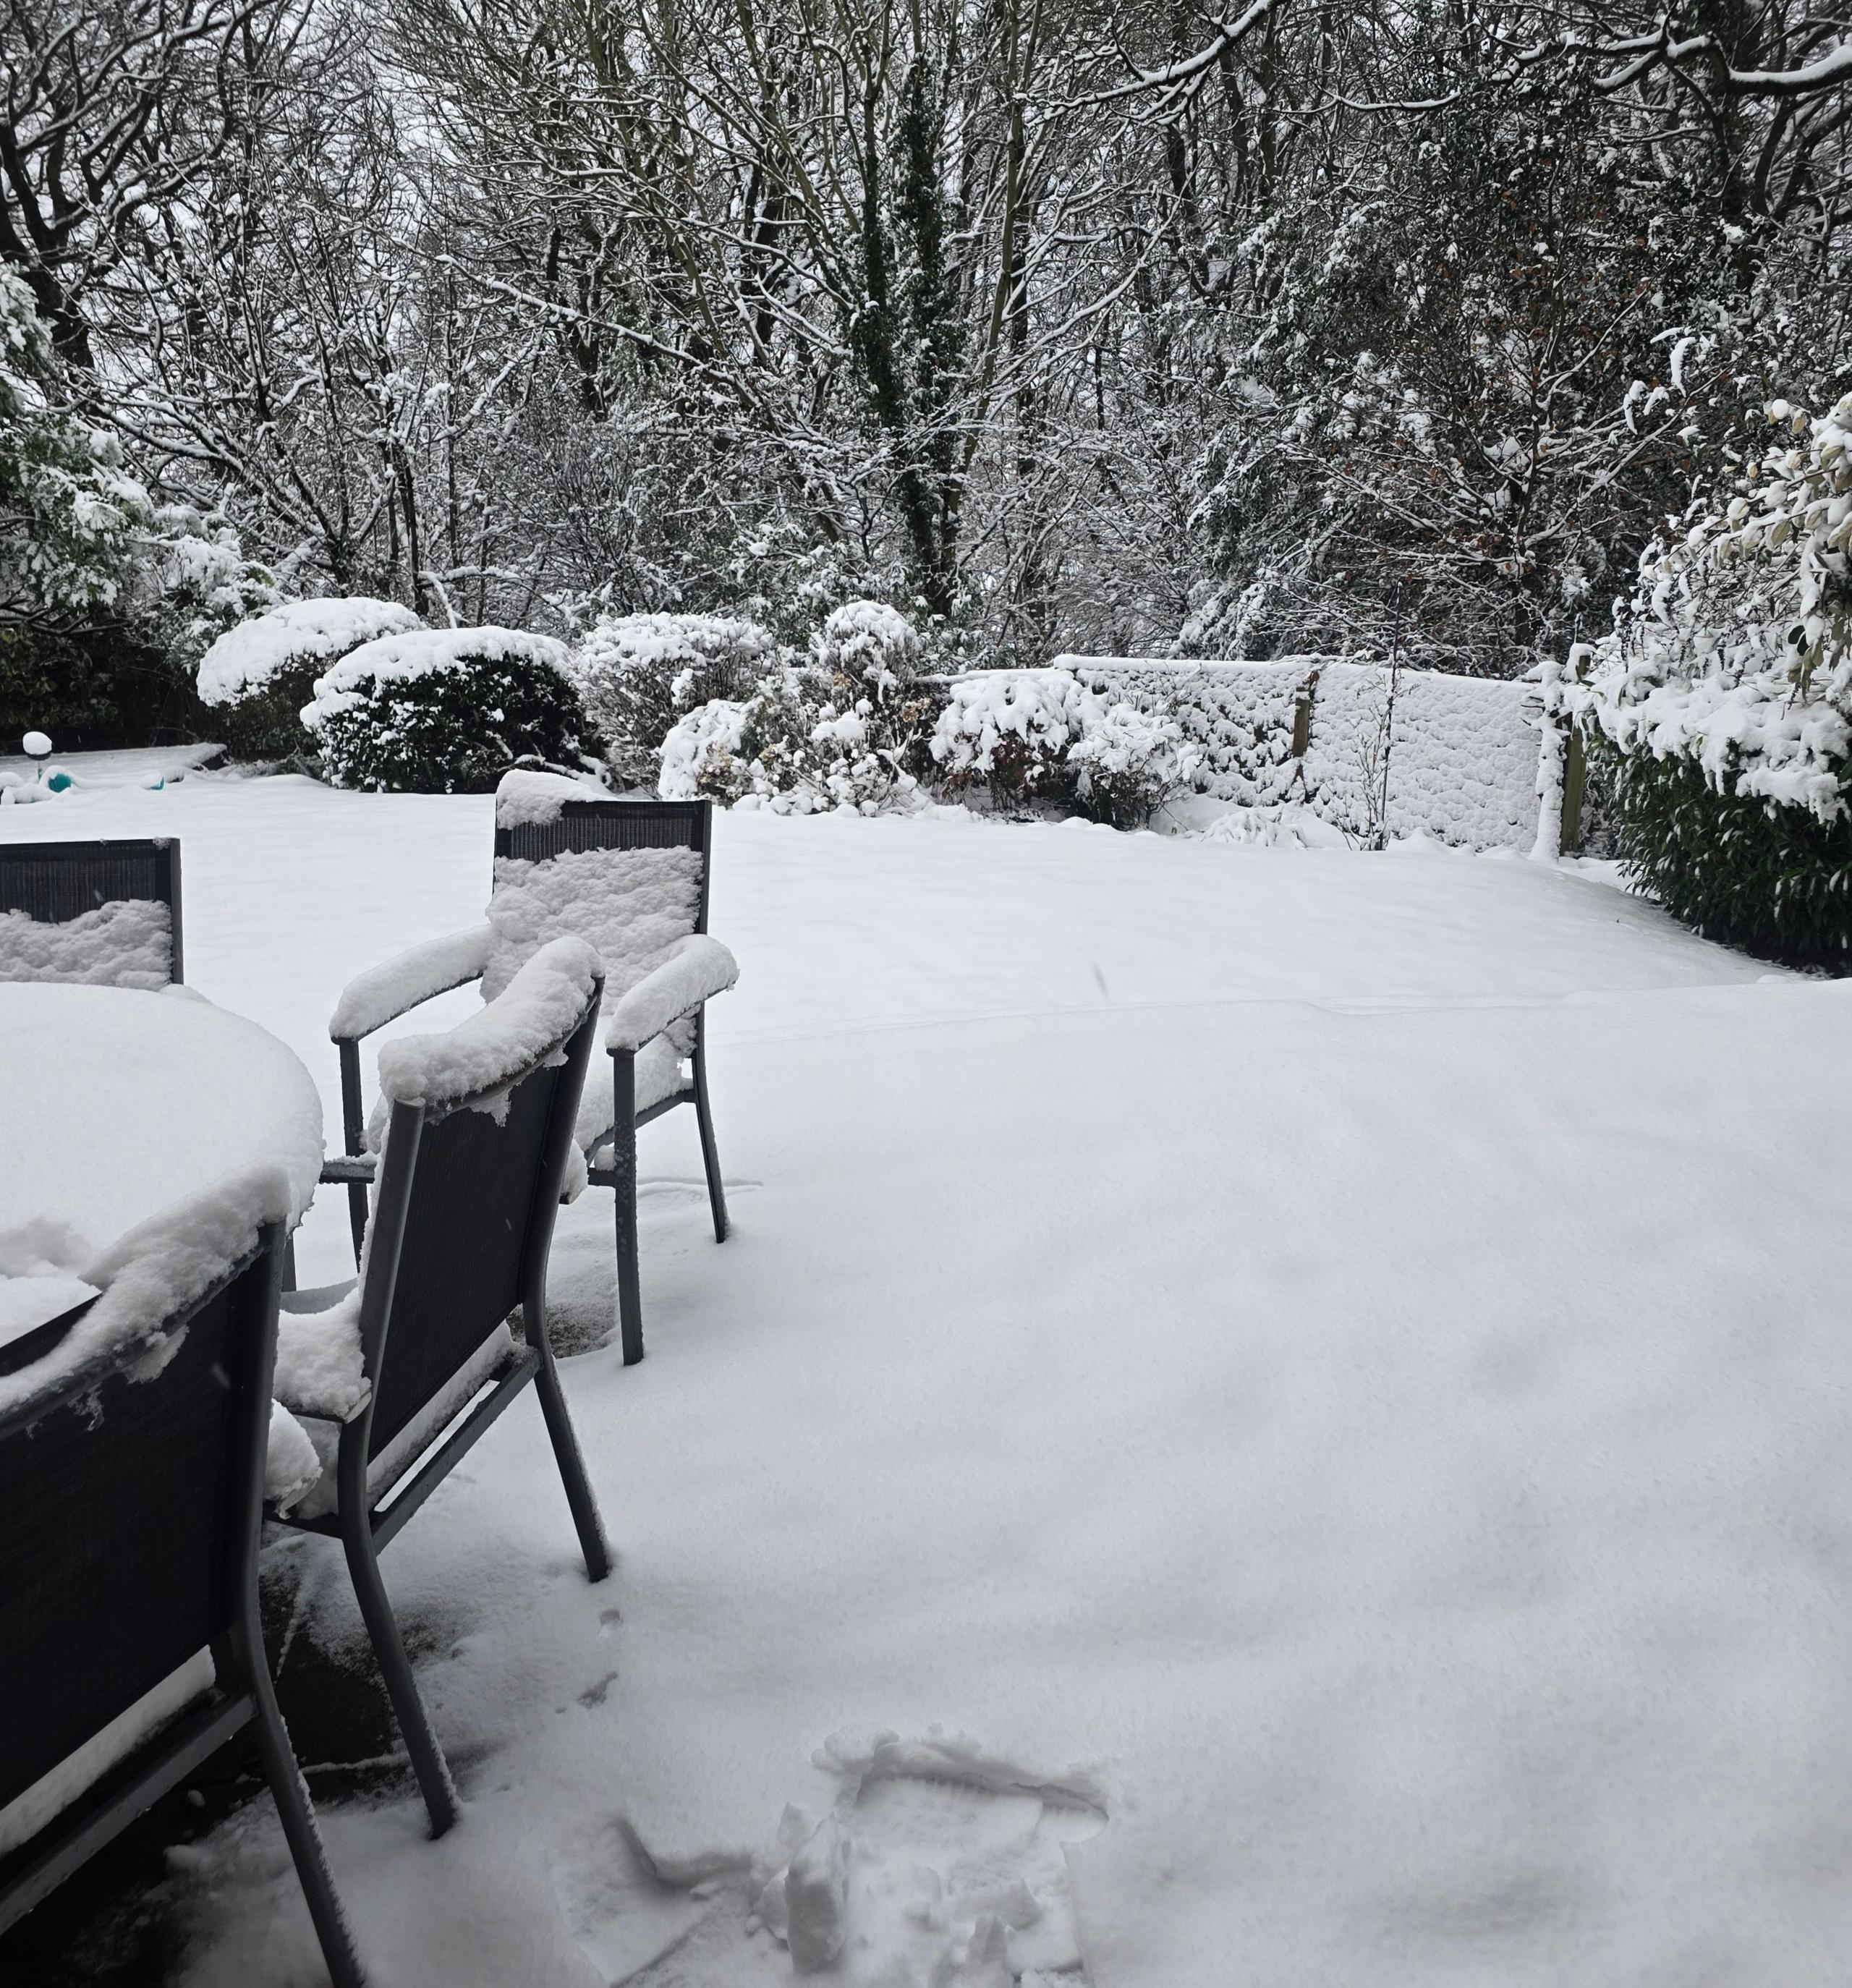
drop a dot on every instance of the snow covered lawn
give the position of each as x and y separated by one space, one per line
1305 1391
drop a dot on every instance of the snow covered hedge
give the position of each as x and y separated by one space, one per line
639 674
446 711
1721 705
1455 758
258 674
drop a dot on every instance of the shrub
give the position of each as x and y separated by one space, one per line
1047 737
446 711
1012 730
1722 704
702 754
868 644
257 676
638 674
835 732
1126 763
1775 881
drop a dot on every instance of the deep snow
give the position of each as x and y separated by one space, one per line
1325 1369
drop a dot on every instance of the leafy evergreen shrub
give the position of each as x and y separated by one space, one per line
446 711
1721 706
1775 881
258 676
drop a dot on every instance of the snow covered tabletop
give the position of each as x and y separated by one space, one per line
118 1104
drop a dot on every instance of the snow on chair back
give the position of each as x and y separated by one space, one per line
107 913
630 877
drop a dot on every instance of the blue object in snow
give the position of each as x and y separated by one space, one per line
59 781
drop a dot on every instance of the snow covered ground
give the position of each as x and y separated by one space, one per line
1304 1392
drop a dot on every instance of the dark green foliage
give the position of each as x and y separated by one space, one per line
454 731
267 724
94 689
1776 881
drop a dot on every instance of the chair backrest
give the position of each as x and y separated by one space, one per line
463 1223
630 877
129 1496
91 889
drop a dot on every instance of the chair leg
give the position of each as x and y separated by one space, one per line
427 1761
302 1835
566 1453
623 1168
710 1153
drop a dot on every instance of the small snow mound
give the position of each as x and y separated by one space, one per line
530 800
1283 826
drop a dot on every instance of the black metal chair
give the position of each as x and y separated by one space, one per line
652 1026
56 883
467 1191
131 1497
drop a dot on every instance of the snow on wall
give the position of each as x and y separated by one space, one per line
1462 755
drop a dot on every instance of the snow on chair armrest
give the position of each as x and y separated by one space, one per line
384 992
697 969
531 1017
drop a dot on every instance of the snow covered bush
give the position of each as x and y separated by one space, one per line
1721 705
638 674
260 674
1012 730
1049 736
835 731
702 756
1127 762
446 711
869 644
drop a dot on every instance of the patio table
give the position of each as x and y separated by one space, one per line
115 1105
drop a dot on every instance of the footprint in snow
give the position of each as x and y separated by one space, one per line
938 1865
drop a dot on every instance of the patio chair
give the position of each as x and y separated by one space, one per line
630 876
477 1141
132 1479
107 913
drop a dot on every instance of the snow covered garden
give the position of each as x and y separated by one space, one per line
1188 672
1268 1412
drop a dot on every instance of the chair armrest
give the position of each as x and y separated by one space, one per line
699 969
348 1167
384 992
